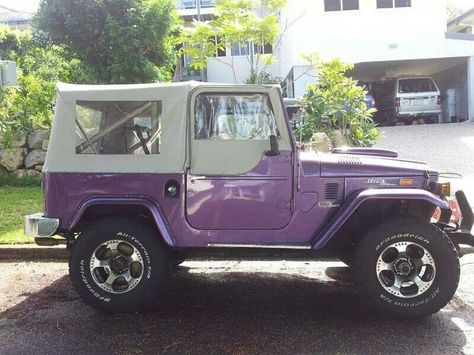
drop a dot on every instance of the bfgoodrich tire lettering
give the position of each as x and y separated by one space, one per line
438 289
144 246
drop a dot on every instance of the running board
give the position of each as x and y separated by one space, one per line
260 246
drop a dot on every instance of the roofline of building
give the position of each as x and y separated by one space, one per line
15 11
458 19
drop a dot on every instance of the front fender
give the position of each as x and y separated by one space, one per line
158 217
373 194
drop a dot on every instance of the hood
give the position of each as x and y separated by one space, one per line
361 163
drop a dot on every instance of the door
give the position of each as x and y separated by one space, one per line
232 183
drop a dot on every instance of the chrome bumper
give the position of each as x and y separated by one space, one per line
401 113
38 226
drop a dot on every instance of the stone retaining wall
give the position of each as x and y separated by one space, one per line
26 154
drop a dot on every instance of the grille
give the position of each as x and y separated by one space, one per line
349 160
331 191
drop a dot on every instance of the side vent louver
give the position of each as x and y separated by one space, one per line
349 160
332 191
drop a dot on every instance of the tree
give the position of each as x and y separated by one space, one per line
251 23
13 43
123 41
336 102
29 105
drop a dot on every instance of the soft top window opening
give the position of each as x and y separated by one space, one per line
234 116
118 127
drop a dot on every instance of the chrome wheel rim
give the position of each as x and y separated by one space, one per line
116 266
405 269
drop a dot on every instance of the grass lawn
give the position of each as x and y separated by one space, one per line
16 202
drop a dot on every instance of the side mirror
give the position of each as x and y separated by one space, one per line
274 147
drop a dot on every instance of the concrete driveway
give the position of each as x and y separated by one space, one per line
446 147
225 307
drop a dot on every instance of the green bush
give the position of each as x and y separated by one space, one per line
337 103
30 104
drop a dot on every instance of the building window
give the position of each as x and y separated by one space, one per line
208 3
338 5
241 48
402 3
332 5
388 4
192 4
266 49
350 4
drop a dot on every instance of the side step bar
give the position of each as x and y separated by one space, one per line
49 242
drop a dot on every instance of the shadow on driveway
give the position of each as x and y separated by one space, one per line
228 312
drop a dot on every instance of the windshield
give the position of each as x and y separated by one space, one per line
416 85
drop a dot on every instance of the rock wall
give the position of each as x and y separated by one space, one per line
26 154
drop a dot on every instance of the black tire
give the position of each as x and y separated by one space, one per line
146 244
443 284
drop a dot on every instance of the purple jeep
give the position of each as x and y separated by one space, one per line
140 177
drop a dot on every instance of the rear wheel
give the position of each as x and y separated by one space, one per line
406 268
117 265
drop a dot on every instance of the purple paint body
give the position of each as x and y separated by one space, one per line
284 200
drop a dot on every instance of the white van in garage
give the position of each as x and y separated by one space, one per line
417 97
409 98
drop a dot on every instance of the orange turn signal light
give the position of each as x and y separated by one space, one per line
406 182
445 189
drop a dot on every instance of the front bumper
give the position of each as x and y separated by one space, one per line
461 235
38 226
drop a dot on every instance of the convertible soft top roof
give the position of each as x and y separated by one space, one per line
131 92
62 156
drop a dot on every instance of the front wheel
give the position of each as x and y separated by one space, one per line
117 265
406 268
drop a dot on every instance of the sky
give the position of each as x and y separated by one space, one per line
32 5
463 4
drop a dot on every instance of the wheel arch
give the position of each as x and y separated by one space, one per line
366 207
103 207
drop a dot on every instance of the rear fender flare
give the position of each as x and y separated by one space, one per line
155 211
352 204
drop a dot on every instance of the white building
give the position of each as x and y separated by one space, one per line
383 38
15 18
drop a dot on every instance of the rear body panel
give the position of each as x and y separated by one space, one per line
418 104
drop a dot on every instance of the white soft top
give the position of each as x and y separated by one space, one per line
62 156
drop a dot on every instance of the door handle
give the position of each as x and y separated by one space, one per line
196 178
